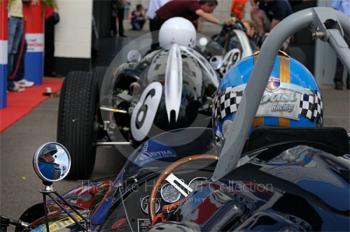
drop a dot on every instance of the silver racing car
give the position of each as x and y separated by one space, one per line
141 94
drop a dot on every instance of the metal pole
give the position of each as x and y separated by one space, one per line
113 143
46 213
76 211
67 212
338 43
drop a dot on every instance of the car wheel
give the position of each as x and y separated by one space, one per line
77 122
31 214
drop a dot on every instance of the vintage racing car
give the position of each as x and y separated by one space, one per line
250 179
228 47
136 97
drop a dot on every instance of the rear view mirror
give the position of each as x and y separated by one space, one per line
52 162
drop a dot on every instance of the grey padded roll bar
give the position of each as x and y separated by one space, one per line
313 18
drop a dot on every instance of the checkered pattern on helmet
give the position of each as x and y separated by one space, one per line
311 106
227 102
318 113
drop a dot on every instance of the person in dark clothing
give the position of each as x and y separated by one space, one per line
51 19
275 11
153 7
114 19
188 9
118 9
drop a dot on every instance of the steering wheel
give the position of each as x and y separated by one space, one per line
177 183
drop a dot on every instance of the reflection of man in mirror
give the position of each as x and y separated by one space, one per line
47 165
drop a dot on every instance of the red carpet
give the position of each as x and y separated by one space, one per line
22 103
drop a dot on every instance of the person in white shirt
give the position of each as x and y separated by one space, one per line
153 6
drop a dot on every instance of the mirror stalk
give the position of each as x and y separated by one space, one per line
47 191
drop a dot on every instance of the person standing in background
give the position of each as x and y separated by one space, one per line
113 19
191 10
118 10
344 7
237 9
153 6
16 38
51 19
275 11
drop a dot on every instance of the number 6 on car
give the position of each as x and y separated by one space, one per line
145 111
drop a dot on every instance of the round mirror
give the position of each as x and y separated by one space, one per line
203 42
134 56
216 62
52 162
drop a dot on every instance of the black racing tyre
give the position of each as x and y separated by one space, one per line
76 127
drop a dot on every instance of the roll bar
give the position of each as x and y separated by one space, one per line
314 18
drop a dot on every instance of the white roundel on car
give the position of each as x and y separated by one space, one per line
178 31
145 111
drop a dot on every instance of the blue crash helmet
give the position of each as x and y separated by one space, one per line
49 149
291 99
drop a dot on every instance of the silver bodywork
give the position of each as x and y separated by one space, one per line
234 55
184 79
173 82
243 39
